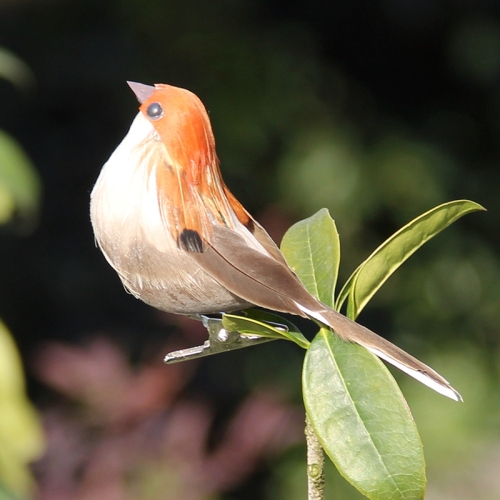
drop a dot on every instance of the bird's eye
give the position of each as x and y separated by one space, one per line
154 111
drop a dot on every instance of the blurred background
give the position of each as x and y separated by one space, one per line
378 110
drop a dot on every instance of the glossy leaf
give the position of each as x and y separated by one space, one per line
362 420
312 250
386 259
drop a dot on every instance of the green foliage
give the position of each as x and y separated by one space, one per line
312 250
372 440
355 406
15 70
19 183
265 324
21 439
362 420
386 259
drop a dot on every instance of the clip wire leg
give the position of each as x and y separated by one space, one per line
219 340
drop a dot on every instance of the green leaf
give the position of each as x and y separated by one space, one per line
265 324
346 290
386 259
15 70
355 406
312 249
19 182
362 420
7 495
21 438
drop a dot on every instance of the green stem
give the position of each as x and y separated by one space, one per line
315 464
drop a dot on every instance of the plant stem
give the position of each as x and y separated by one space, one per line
315 464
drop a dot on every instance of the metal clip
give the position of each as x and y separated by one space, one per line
219 340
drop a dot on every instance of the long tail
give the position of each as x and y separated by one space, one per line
354 332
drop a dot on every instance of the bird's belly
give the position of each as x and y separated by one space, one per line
171 281
180 299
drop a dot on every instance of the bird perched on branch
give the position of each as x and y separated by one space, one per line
181 242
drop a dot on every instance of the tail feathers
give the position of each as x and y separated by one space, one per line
354 332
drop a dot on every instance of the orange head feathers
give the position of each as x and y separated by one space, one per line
190 186
181 121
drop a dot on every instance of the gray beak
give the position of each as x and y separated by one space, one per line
141 91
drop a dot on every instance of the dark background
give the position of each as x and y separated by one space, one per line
378 110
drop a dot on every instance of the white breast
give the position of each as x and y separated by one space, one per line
128 227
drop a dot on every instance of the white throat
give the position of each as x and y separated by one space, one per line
124 202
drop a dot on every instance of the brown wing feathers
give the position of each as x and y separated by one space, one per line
248 273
